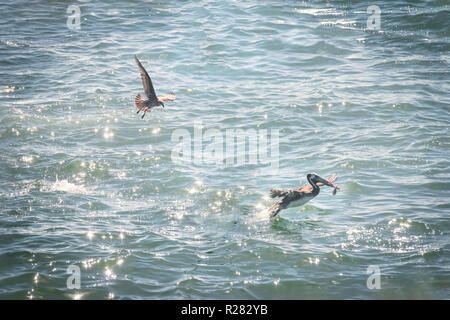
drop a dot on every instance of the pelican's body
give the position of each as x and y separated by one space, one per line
153 100
299 202
298 197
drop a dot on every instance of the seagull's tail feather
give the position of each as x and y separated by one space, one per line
139 102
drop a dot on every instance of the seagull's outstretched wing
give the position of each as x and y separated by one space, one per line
167 96
146 81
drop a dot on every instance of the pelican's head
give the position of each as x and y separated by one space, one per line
314 178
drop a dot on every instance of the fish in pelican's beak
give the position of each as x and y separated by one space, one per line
325 182
330 184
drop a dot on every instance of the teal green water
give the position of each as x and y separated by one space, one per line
86 182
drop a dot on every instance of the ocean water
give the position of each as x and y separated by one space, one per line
86 183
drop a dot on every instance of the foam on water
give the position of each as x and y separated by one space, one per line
65 186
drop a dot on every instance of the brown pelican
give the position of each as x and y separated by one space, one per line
295 198
153 100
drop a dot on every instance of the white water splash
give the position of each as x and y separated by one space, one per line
65 186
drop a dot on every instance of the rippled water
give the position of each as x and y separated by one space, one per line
86 182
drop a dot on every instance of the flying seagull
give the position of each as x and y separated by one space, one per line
153 100
295 198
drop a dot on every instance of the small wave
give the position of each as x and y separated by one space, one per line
319 12
7 89
399 235
64 186
14 44
349 24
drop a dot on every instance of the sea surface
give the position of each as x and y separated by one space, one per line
86 184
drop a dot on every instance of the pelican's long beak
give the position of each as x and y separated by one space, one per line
328 183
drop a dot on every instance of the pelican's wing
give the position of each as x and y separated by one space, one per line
306 189
293 195
146 81
288 196
279 193
167 96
